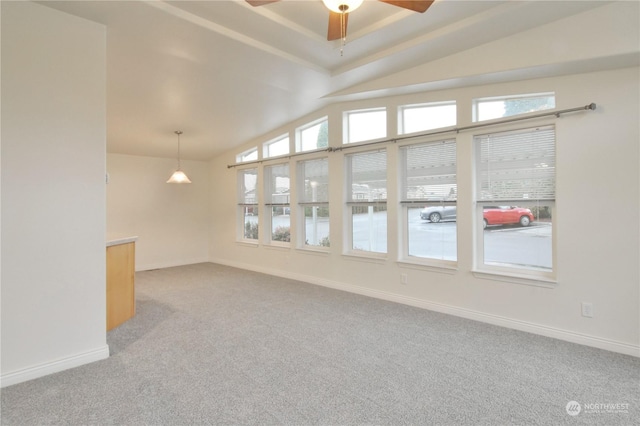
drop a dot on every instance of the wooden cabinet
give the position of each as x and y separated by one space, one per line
121 297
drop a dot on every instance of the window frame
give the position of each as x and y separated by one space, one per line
346 125
303 203
301 129
528 275
349 204
243 206
267 145
475 113
403 108
406 204
242 157
269 204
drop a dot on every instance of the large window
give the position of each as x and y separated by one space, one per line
277 202
363 125
313 136
417 118
276 147
506 106
248 204
515 194
367 201
429 195
313 202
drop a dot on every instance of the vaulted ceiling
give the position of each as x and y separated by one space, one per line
225 72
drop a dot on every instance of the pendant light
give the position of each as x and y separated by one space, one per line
178 176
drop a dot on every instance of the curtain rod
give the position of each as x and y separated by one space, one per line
297 154
589 107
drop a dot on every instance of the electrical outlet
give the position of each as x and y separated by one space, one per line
403 279
587 309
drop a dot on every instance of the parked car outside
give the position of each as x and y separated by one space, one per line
506 215
437 213
492 215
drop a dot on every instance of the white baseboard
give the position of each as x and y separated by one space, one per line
56 366
159 265
542 330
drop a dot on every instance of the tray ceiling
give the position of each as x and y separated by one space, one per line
225 72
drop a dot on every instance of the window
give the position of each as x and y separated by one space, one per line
248 204
429 194
515 193
417 118
367 201
313 136
276 147
365 125
249 155
313 202
277 199
506 106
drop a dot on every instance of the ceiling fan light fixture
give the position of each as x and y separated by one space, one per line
342 6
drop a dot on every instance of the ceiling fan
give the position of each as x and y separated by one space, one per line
339 12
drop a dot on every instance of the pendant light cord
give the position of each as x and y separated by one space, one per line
178 132
343 29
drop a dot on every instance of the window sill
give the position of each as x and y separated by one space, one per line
278 247
442 268
537 281
248 243
313 251
368 258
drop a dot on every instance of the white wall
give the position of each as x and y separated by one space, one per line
597 222
53 195
598 187
171 221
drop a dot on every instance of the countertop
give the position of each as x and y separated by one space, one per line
114 241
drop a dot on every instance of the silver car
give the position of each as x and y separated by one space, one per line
437 213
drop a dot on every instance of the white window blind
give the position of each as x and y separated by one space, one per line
429 172
247 180
517 166
248 204
277 185
368 176
315 175
313 201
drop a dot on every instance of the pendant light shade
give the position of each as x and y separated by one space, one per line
178 176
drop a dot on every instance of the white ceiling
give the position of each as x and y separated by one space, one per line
225 72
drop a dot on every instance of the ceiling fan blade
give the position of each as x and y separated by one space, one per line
255 3
335 22
415 5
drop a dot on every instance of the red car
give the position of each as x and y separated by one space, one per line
503 215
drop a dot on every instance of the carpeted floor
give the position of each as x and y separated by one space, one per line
216 345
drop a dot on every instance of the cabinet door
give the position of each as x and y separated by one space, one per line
121 304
